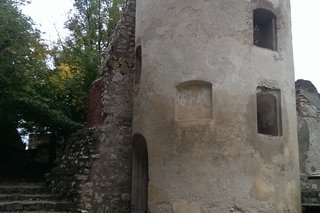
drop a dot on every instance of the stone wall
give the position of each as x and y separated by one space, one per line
95 104
110 176
70 176
96 167
95 170
36 140
308 111
310 188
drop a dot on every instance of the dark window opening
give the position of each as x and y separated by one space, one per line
265 29
138 65
140 177
269 112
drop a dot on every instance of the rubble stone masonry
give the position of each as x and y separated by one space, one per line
96 167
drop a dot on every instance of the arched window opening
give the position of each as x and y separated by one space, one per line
264 29
269 111
140 177
138 65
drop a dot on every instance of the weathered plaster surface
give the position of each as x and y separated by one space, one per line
220 164
204 157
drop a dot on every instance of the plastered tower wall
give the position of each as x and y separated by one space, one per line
196 107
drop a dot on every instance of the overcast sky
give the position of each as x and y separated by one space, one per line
50 16
306 32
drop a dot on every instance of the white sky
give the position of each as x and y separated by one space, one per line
306 34
50 16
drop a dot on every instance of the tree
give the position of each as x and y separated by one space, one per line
19 43
39 99
25 90
91 27
42 100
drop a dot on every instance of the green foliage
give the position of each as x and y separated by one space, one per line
114 15
25 90
39 99
22 56
90 27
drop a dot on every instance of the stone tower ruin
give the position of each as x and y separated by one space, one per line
214 117
193 111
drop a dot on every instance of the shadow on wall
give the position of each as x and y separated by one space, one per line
140 177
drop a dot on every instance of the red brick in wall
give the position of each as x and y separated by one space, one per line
95 104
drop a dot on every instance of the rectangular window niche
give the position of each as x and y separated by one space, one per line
265 29
269 120
194 101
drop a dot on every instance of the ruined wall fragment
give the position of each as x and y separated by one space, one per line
96 168
308 116
308 111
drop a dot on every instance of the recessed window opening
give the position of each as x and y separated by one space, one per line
265 29
194 100
140 177
269 111
138 65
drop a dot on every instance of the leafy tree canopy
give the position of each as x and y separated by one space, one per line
25 90
41 99
91 26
